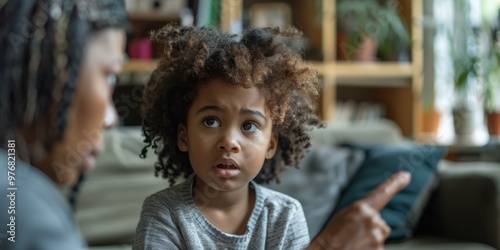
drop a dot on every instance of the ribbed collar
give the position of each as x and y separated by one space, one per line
187 197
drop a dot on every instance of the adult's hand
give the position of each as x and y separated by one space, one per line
360 225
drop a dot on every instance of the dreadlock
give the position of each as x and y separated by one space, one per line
42 47
259 59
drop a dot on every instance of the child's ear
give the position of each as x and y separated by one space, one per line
273 146
182 138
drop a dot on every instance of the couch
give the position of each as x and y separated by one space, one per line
462 212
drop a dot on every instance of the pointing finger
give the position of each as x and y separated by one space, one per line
380 196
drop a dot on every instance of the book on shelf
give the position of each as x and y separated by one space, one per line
352 112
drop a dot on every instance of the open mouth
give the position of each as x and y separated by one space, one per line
227 166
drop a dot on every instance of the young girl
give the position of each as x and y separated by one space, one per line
223 112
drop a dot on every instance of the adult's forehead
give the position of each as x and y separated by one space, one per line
106 43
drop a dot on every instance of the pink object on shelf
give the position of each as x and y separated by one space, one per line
140 49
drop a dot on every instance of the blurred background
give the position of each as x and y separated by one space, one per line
432 67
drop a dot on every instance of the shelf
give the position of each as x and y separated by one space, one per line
152 16
363 70
139 66
390 82
343 70
339 70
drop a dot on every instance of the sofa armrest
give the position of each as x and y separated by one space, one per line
466 204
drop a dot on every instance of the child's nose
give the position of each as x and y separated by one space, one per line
229 142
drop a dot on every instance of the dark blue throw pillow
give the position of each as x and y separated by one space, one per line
404 210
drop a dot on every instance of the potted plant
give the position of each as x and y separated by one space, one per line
465 73
463 45
366 28
491 91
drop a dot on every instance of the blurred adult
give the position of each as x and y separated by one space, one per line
58 66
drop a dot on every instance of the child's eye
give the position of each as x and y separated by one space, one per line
249 127
211 122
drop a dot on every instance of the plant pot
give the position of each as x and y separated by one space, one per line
463 120
493 123
430 121
364 48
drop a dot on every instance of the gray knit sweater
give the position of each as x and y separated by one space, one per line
171 220
43 219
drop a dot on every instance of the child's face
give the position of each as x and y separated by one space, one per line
228 135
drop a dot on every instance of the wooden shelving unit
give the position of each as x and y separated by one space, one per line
398 85
403 100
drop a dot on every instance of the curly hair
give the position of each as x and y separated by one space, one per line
260 59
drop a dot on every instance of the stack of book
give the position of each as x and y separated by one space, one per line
352 112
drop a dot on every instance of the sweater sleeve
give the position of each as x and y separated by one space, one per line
156 229
297 234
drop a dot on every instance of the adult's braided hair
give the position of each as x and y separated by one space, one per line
41 48
194 56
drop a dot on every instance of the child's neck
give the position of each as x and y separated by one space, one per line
228 211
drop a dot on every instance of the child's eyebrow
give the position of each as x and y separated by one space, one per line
254 112
219 109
